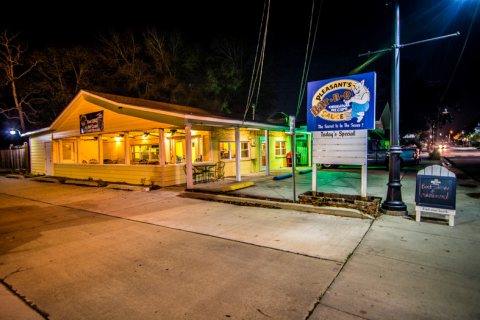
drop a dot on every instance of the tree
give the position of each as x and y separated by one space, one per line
126 55
63 73
15 68
225 74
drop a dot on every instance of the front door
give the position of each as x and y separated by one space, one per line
48 159
263 155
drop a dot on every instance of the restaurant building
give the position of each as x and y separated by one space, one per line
136 141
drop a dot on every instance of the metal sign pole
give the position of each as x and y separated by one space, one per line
294 154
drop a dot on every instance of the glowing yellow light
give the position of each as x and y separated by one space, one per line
369 61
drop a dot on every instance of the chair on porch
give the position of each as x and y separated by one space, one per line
220 170
197 175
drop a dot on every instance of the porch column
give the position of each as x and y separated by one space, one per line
60 150
267 153
188 154
77 148
126 144
100 148
238 154
161 147
309 149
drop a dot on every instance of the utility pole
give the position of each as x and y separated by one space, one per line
294 154
393 203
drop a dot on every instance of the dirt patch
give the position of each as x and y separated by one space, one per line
467 185
240 195
474 195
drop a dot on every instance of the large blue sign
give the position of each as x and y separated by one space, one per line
346 103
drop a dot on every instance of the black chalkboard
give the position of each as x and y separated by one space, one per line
436 191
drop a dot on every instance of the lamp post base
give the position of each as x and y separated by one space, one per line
393 201
393 212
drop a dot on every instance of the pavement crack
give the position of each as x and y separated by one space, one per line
266 315
31 304
322 294
11 273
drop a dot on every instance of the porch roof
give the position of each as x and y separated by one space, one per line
167 113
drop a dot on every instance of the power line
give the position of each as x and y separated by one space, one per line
308 56
258 68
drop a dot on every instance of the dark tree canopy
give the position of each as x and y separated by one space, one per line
147 64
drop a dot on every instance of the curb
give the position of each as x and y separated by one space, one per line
128 188
238 186
343 212
14 176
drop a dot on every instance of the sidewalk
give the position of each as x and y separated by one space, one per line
408 270
401 269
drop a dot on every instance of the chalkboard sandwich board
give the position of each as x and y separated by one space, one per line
436 192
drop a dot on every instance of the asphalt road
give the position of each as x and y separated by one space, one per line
466 159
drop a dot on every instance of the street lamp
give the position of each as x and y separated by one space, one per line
393 203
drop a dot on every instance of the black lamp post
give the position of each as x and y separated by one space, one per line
393 203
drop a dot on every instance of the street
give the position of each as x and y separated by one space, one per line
466 159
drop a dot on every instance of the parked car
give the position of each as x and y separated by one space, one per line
376 156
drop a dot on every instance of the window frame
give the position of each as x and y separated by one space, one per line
284 148
72 153
150 152
229 150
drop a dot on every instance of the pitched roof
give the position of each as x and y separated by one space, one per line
163 106
159 111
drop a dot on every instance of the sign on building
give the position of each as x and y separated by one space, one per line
91 122
346 103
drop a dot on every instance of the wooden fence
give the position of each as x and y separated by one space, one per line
15 158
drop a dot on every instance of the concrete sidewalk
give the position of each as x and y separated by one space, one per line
400 269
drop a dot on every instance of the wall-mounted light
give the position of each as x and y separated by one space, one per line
13 131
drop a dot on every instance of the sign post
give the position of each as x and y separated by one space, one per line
294 153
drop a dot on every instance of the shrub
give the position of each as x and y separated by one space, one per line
435 155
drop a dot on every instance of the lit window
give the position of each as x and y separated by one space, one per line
280 148
68 151
227 150
144 153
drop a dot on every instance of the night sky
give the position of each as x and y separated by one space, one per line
346 29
